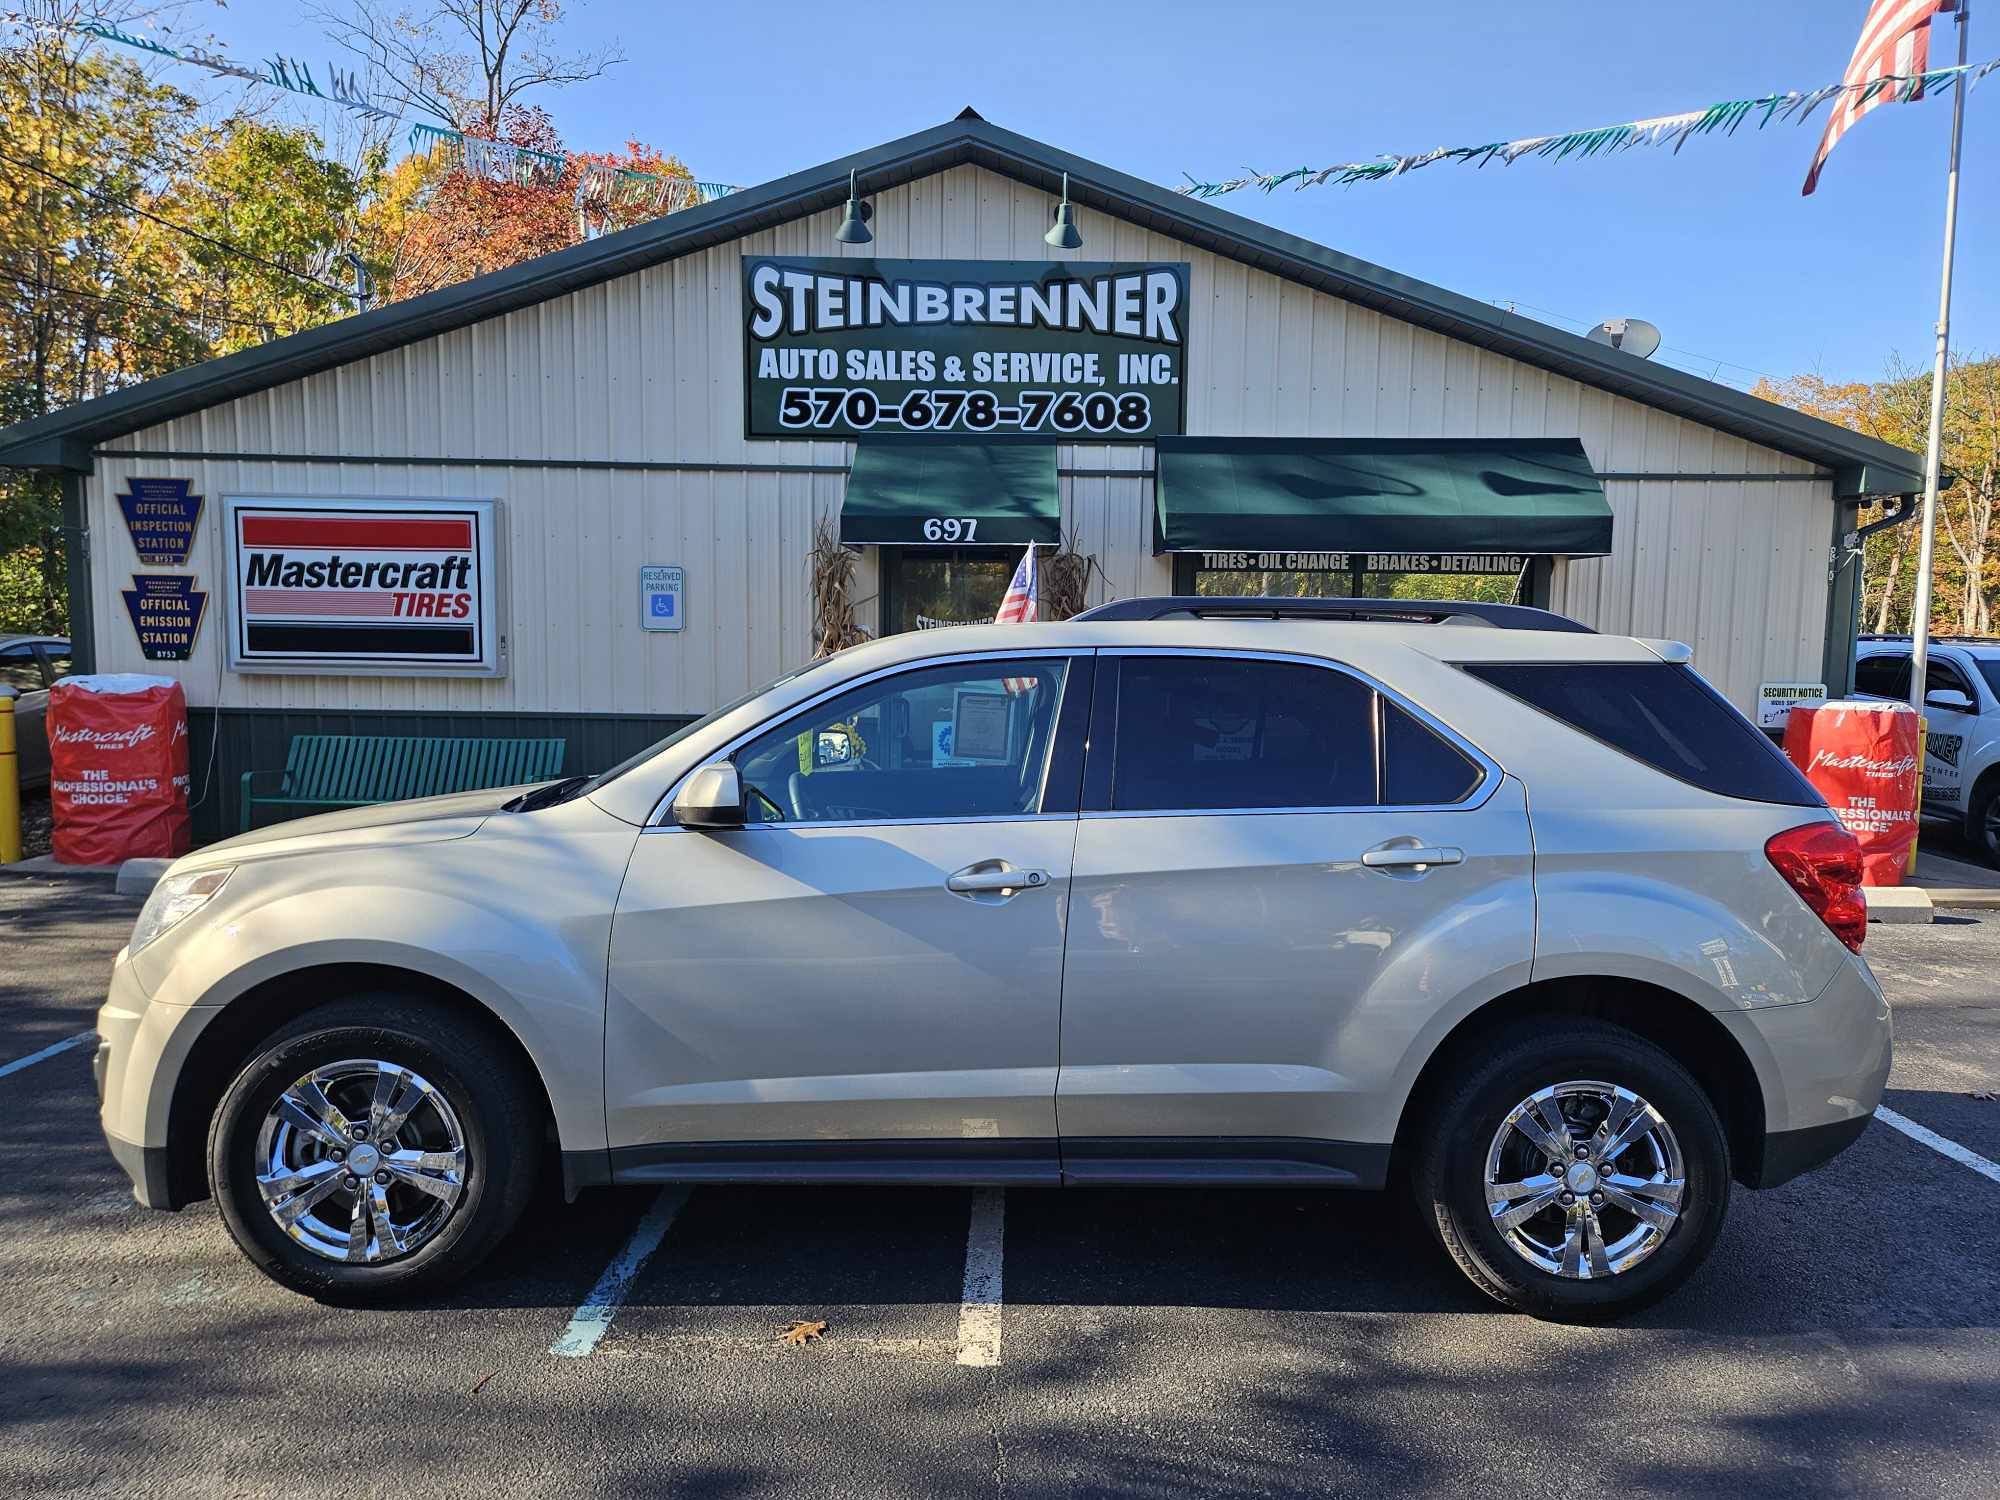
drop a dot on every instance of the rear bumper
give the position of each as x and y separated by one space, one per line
1822 1066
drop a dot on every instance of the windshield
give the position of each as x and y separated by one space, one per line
604 778
1989 668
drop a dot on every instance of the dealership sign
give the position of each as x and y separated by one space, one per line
378 586
1085 351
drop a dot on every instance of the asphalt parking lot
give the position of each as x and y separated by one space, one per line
1842 1340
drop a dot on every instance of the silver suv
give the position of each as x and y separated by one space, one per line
1526 919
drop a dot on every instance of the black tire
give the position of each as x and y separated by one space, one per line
479 1079
1508 1068
1982 819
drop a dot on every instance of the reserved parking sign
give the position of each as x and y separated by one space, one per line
662 592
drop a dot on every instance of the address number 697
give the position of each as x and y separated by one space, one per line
950 528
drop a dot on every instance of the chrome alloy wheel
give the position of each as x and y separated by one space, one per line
1584 1180
361 1161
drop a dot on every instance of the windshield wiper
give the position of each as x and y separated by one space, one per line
547 796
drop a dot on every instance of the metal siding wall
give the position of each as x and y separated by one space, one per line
649 368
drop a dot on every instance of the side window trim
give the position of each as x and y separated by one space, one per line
1102 745
662 820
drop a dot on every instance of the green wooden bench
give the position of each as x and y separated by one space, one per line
357 770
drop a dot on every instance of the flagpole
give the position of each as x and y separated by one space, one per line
1920 608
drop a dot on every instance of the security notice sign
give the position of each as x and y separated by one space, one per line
362 586
1083 350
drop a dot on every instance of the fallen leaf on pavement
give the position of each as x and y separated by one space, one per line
798 1334
1984 1096
480 1384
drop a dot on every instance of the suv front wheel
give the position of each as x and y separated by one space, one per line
376 1146
1577 1173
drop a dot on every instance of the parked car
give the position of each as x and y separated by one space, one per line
1961 725
1527 920
31 665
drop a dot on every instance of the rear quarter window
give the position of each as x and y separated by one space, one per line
1662 714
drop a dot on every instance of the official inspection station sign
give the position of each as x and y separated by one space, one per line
160 517
1081 351
366 586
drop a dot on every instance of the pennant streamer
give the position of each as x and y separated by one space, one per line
599 188
1664 130
280 71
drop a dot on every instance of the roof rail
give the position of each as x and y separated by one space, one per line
1393 611
1904 635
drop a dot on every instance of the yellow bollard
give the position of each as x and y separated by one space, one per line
10 783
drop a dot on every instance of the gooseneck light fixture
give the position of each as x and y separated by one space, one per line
854 228
1063 234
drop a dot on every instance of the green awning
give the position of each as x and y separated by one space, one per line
917 492
1359 495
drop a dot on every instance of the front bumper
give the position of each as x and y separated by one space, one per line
141 1049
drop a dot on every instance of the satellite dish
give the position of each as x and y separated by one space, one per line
1633 335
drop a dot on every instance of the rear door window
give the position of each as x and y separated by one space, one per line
1221 734
1662 714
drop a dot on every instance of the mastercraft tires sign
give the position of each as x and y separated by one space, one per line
362 586
1076 351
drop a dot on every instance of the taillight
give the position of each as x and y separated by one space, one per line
1822 862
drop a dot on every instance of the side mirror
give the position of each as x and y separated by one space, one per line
1948 698
711 798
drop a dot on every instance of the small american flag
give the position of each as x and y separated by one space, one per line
1017 607
1896 38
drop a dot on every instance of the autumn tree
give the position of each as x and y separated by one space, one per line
1896 409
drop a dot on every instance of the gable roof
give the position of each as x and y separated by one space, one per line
63 439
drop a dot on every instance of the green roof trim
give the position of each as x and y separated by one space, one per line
1458 495
967 139
943 494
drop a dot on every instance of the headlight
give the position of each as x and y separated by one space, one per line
173 898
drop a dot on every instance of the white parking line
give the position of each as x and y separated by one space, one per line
34 1057
594 1314
1938 1143
979 1304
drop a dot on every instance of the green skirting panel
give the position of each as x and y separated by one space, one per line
904 492
1536 495
223 745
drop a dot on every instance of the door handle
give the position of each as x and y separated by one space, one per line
985 879
1406 857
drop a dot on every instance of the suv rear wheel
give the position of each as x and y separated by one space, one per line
376 1146
1577 1173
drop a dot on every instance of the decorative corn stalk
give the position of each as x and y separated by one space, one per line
830 567
1066 581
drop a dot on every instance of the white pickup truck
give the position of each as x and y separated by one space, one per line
1961 725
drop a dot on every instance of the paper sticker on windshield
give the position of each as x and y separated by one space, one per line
979 728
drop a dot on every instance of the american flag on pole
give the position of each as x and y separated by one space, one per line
1896 38
1017 607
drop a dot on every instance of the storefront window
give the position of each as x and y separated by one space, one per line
925 587
1194 575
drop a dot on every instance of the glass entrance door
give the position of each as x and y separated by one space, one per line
925 587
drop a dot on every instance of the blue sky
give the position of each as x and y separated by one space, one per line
1716 246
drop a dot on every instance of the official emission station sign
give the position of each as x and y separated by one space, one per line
1085 351
166 611
373 586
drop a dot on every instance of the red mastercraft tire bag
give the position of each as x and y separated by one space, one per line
118 768
1861 755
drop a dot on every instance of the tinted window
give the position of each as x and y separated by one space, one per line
1419 766
960 741
1663 715
1940 675
1218 733
1989 668
1883 676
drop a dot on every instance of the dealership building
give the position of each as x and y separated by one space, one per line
576 498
